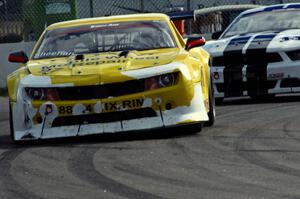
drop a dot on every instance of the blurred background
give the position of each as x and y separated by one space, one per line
22 21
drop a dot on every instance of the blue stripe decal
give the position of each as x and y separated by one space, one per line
240 40
252 13
265 36
294 6
271 8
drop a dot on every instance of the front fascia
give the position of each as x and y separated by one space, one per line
32 119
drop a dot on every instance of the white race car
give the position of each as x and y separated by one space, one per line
258 54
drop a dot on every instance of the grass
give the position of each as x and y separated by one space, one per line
3 91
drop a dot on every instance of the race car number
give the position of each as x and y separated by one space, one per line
105 107
69 109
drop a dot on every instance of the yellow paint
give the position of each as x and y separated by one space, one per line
91 73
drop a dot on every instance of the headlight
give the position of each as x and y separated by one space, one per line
42 94
161 81
166 80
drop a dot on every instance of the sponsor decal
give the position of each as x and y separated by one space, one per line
105 107
126 104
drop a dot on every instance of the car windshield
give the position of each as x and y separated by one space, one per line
265 21
144 35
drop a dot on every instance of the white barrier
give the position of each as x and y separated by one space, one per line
6 67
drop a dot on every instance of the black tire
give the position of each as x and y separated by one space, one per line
212 108
219 100
11 125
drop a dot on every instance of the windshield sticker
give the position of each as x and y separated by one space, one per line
105 25
55 54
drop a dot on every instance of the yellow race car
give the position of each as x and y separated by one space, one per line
110 74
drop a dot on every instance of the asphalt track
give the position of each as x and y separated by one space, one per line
253 151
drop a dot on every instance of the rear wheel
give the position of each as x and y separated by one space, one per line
212 109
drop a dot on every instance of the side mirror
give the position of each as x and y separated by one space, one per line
193 42
216 35
18 57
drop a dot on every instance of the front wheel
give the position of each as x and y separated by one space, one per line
11 124
212 109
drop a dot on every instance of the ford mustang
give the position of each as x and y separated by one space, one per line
258 55
110 74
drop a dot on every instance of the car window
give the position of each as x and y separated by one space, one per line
143 35
265 21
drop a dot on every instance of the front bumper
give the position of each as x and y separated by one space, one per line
171 106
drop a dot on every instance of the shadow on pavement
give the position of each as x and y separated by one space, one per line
170 133
248 100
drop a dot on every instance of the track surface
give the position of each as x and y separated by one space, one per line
253 151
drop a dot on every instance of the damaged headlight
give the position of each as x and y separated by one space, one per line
161 81
43 94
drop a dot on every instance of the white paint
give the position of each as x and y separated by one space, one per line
143 123
289 69
98 107
58 132
158 70
48 116
36 81
112 127
195 111
281 46
91 129
147 102
41 81
216 47
79 109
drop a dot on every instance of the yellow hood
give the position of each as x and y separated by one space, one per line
100 68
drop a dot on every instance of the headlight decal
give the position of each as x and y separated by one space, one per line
159 70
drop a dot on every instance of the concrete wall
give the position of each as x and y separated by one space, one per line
6 67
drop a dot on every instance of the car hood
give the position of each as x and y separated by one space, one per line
100 68
286 40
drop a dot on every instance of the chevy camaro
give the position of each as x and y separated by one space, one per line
258 55
110 74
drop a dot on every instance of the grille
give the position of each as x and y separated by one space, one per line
103 117
248 59
290 82
101 91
